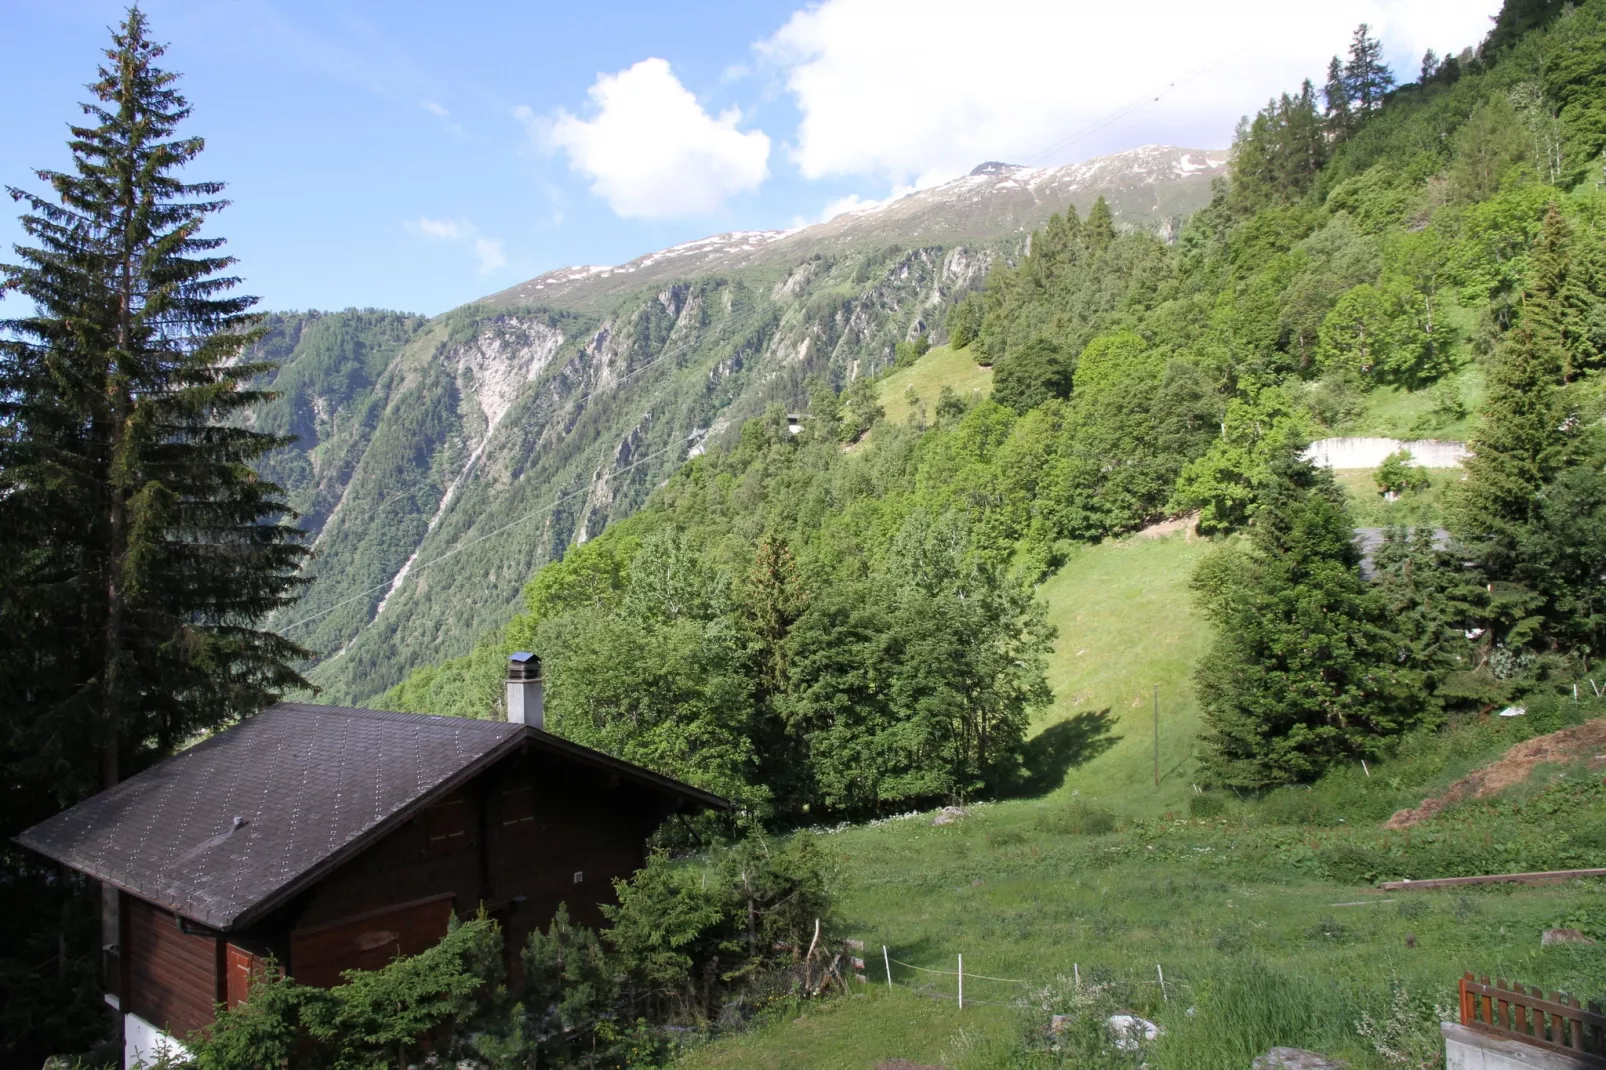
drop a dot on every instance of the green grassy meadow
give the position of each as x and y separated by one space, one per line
1258 912
1127 625
941 366
1263 914
1411 509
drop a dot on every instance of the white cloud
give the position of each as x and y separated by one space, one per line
489 252
437 110
922 90
651 151
853 203
440 228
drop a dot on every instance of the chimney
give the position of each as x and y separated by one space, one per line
524 702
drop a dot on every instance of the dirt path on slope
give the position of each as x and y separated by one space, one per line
1585 741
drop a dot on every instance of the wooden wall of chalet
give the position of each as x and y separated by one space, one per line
173 975
526 835
368 942
563 835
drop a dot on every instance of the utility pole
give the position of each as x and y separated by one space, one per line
1156 735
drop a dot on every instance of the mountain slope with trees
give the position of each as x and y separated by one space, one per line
1371 237
479 445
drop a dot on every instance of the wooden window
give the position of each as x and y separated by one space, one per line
518 808
446 825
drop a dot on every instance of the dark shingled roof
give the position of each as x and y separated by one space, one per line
311 785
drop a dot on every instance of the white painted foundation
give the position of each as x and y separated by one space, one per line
143 1043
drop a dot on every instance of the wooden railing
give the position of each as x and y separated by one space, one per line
1559 1023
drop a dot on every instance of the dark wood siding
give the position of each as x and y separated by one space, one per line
434 853
533 831
561 833
173 975
367 942
242 968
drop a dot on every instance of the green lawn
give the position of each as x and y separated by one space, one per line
1250 900
927 376
1411 509
1395 412
1127 625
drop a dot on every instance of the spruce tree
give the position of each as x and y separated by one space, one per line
1528 511
1336 95
1303 672
1099 230
140 548
1520 445
1430 66
1368 79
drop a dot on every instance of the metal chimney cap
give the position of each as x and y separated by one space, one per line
523 667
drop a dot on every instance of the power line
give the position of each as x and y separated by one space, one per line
476 541
1127 109
394 495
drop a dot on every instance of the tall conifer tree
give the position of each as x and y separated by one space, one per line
1367 77
1336 96
140 548
1519 446
1303 673
1099 230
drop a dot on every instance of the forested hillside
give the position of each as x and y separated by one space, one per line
811 626
538 427
479 445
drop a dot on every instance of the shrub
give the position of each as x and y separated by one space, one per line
1352 864
1078 818
1397 475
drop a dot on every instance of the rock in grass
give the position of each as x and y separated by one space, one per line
1128 1032
949 814
1563 936
1295 1059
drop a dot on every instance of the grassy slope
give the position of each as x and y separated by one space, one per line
1020 894
1016 890
940 367
1126 626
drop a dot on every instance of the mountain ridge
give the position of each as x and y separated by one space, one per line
1150 185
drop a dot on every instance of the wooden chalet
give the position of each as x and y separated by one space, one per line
334 839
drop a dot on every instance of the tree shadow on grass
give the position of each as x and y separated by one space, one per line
1051 753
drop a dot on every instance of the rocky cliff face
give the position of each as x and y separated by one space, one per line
442 462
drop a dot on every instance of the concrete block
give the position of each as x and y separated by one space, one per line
1472 1049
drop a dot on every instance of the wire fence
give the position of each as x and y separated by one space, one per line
962 977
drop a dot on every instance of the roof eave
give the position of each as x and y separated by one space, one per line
657 781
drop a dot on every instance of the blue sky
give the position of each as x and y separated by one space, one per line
418 155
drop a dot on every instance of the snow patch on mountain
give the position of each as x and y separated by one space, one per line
1146 186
